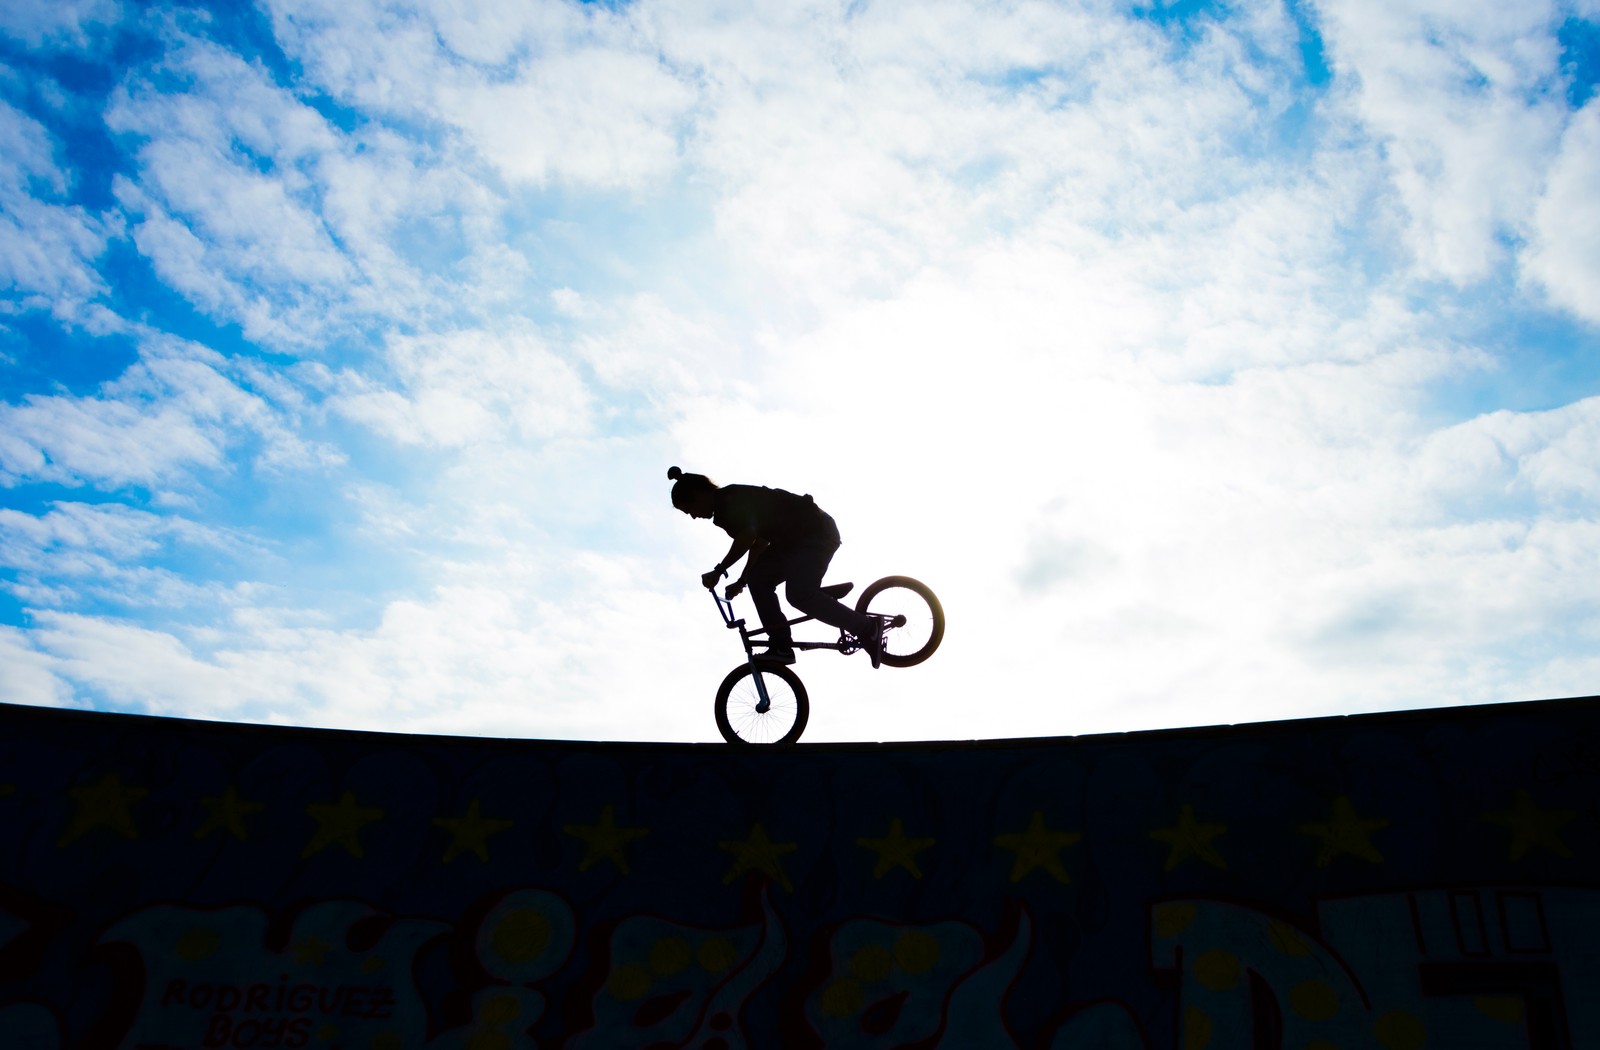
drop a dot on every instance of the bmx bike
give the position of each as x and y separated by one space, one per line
766 703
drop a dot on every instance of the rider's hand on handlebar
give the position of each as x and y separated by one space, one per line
734 588
709 579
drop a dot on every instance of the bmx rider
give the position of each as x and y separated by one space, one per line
789 540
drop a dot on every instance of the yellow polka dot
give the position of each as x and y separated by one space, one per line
1314 1000
716 954
502 1009
628 983
372 964
489 1041
1196 1029
1287 940
1217 970
1173 919
387 1041
842 998
871 963
1399 1030
917 952
198 943
1507 1008
521 935
670 956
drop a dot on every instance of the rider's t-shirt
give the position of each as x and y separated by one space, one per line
773 515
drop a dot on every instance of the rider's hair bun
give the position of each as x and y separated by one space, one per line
673 473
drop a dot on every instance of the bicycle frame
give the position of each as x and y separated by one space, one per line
748 637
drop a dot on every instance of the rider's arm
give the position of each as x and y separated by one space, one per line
755 546
742 544
736 551
746 543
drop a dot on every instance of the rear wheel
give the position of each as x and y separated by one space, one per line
742 716
912 639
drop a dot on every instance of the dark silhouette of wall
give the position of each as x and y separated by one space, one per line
1425 879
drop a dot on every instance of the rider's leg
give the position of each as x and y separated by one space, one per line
807 565
763 578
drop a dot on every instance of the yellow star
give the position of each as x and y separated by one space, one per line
1531 826
1190 838
470 832
226 812
339 823
1037 848
895 851
107 802
758 853
1345 832
605 841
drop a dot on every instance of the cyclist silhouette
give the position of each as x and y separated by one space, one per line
789 540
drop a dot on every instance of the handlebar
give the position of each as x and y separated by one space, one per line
725 607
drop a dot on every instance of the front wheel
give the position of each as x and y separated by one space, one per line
913 639
744 718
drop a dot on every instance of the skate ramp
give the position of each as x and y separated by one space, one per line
1425 879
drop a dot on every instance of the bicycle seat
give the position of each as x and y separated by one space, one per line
837 590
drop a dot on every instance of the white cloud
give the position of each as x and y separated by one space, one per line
542 92
47 249
1459 96
173 414
1546 463
57 22
223 203
116 531
379 55
79 554
465 660
256 208
593 117
1564 255
27 676
471 387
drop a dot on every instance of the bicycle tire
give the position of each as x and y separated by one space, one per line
924 626
738 719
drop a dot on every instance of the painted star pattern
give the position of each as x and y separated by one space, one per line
756 852
106 803
1531 826
470 833
1037 848
1190 838
340 824
895 850
603 840
226 812
1344 833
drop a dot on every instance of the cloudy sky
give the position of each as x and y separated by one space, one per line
1214 360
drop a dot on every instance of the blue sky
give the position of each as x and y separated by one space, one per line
1214 361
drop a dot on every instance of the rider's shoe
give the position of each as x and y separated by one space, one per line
775 655
872 643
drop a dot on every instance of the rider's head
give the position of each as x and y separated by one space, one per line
694 494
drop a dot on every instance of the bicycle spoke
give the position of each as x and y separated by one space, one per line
753 725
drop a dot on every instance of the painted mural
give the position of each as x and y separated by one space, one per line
1402 881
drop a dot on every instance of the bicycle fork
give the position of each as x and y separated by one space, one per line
765 703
